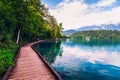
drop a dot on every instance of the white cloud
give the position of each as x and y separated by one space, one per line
105 3
95 54
76 13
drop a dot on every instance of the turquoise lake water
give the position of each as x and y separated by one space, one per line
74 60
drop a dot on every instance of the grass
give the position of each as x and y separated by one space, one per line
6 59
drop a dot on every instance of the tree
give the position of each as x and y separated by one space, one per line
21 23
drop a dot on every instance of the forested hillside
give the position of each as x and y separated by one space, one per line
98 36
23 21
31 17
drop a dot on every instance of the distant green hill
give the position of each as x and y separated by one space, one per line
98 36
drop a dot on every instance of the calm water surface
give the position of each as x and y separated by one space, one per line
79 61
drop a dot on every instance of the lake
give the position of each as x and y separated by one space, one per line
74 60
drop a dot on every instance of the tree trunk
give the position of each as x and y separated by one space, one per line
21 23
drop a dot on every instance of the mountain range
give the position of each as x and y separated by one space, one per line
87 28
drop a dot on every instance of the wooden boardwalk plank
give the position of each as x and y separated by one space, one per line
29 66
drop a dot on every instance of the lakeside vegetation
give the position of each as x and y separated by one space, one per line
6 59
23 21
97 37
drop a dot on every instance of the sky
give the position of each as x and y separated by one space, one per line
80 13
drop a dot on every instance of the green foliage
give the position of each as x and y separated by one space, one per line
6 59
9 17
36 22
33 21
101 36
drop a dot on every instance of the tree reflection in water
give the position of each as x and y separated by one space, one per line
50 50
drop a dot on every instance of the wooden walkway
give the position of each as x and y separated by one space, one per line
29 66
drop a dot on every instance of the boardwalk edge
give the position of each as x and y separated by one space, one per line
5 77
46 63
